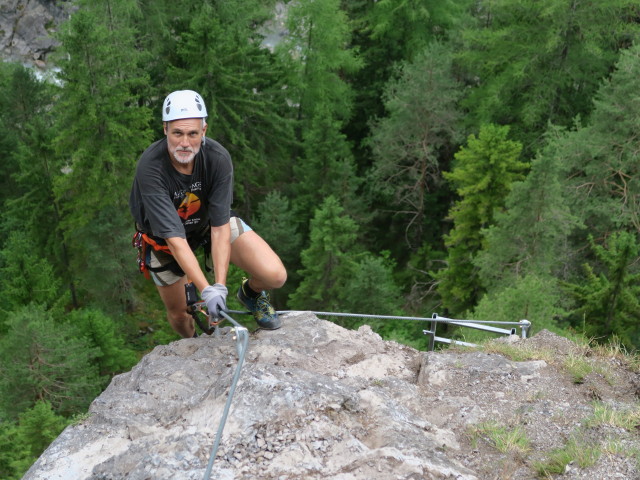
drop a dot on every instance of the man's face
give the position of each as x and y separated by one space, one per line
184 138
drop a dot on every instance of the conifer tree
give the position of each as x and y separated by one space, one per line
319 38
530 63
27 276
31 207
22 442
603 175
532 235
338 275
38 426
594 190
326 262
101 332
607 299
102 127
22 108
388 33
41 359
408 145
25 104
15 456
483 173
371 288
9 165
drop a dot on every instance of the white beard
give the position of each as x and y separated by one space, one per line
182 159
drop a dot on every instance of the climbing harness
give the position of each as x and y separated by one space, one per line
145 243
138 242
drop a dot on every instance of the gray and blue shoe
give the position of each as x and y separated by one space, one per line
260 307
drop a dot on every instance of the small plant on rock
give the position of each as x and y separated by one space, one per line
502 438
575 451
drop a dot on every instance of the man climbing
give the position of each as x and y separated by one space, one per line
181 199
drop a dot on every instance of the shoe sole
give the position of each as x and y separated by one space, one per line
270 327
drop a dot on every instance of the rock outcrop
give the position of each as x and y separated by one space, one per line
27 27
317 401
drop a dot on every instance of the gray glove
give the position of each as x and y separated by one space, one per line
215 296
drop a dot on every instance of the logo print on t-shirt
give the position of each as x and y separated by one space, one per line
190 205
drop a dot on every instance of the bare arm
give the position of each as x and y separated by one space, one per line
188 262
221 252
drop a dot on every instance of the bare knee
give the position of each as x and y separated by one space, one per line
178 316
181 322
271 279
175 304
278 278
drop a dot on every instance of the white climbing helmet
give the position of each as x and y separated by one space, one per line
183 104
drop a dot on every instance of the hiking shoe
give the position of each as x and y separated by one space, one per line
261 309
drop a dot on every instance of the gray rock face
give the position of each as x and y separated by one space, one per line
26 29
316 401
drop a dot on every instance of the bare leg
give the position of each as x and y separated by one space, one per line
253 255
175 302
248 252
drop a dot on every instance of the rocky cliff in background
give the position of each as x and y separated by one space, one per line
316 401
26 29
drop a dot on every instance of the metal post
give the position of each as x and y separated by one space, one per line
525 325
432 333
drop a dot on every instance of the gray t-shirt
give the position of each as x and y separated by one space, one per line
166 203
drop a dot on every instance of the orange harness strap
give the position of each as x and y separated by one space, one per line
142 241
156 246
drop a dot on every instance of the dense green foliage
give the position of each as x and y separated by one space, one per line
404 157
483 172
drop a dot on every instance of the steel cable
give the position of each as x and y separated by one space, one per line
242 341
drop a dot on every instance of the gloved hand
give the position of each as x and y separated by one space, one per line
215 296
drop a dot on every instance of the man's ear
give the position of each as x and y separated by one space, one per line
164 127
